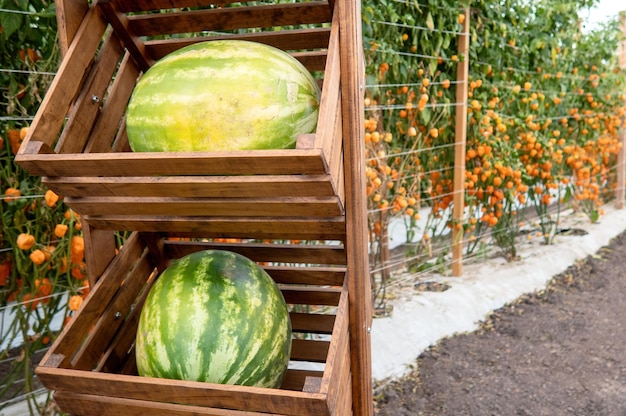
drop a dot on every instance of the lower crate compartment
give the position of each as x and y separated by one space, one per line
91 365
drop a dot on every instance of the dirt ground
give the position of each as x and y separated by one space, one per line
561 351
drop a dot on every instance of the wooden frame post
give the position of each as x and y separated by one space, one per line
70 15
459 149
359 289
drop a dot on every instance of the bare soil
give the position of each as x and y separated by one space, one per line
561 351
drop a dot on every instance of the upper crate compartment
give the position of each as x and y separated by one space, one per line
78 142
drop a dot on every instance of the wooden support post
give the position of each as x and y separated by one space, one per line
70 15
621 156
359 289
100 249
459 149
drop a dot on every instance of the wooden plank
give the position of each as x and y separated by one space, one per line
251 399
230 18
88 103
295 378
149 5
322 276
458 208
190 207
296 39
100 294
279 252
70 14
312 60
89 404
194 186
338 363
111 116
330 228
329 100
133 43
243 162
359 289
315 351
312 323
111 318
100 250
66 84
310 296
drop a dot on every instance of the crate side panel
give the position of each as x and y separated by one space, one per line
112 318
87 107
67 83
99 297
110 120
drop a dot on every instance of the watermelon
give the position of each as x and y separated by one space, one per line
222 95
214 316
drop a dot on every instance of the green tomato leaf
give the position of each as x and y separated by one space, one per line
10 23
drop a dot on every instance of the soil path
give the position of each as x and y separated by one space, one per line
561 351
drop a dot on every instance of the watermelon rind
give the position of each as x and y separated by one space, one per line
222 95
214 316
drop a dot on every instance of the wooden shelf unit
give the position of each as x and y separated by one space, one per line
262 199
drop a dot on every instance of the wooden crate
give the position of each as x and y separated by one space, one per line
78 144
91 366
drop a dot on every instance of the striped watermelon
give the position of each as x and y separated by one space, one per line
222 95
218 317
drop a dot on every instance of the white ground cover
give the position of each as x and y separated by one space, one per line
423 318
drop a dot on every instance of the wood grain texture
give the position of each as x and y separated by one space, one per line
360 305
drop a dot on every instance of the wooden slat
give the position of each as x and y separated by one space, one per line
295 378
100 295
360 305
100 250
194 186
114 107
311 296
312 60
251 399
330 228
89 405
244 162
309 350
312 323
66 84
70 14
338 362
261 252
223 207
112 317
133 43
288 40
230 18
150 5
321 276
88 103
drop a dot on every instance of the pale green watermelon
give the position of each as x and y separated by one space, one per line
215 316
222 95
